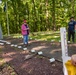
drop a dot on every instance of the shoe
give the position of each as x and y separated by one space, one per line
26 45
68 41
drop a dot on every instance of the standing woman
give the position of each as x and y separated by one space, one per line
25 32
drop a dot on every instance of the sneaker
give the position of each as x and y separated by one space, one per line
26 45
68 41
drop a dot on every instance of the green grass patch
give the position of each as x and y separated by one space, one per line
48 36
43 36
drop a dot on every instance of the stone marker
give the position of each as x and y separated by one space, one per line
64 42
19 46
65 56
15 45
52 60
32 50
12 45
1 43
24 48
40 53
8 43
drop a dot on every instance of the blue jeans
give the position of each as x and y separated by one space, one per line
25 39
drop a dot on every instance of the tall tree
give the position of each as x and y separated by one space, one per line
53 14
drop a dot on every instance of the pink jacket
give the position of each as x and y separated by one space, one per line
23 30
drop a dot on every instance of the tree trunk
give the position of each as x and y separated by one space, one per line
53 14
73 1
34 16
47 16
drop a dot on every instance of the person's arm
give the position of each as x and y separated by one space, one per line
27 28
67 27
23 28
75 27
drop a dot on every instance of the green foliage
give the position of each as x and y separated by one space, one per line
41 15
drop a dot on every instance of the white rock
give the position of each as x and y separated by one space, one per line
33 50
24 48
19 46
40 53
52 59
12 45
1 43
28 56
8 43
15 45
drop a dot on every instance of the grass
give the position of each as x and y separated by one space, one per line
43 36
47 36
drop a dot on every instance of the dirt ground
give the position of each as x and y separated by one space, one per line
37 65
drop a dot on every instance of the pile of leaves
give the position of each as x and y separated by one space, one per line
5 69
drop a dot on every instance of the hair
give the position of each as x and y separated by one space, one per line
71 17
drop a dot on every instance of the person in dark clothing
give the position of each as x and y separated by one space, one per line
71 29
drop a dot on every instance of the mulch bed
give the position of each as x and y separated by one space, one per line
37 65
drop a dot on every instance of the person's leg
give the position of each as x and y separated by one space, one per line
73 36
69 35
25 39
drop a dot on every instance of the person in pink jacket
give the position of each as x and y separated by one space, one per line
25 32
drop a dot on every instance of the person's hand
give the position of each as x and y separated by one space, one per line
73 59
27 28
75 31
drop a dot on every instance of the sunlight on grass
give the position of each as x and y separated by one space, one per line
47 36
44 35
1 61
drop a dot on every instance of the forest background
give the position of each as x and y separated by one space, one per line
41 15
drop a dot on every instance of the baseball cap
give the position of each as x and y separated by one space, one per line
24 21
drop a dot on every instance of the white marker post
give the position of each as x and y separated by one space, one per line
65 56
63 42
